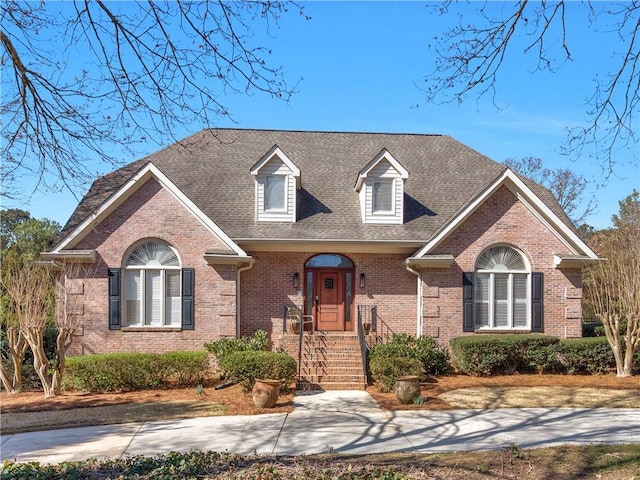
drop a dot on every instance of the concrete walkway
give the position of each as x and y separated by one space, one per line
335 421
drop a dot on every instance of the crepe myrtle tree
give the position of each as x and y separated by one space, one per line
82 78
32 288
22 239
471 56
612 287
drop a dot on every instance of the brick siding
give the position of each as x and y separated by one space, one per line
153 213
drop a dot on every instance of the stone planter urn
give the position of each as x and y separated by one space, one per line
407 388
265 392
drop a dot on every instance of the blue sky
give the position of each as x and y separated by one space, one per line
361 66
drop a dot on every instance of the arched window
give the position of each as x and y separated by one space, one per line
501 290
152 286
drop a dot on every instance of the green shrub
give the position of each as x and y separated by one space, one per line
489 354
590 355
385 370
187 368
478 354
134 371
246 366
259 341
425 349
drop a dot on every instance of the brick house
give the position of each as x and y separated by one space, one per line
215 235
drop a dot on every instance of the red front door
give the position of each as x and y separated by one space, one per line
328 298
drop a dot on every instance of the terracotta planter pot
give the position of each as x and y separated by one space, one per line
265 393
294 327
407 388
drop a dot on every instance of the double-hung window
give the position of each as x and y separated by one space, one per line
152 286
501 290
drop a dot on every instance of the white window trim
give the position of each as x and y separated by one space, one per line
510 299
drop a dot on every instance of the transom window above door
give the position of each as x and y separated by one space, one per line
153 286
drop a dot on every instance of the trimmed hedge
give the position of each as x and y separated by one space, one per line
590 355
489 354
386 370
246 366
135 371
425 349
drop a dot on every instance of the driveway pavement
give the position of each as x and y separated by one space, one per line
334 421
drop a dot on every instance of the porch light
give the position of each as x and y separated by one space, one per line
295 279
362 280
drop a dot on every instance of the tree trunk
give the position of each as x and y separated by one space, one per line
18 346
40 360
6 381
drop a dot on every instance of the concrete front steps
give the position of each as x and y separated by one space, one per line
330 360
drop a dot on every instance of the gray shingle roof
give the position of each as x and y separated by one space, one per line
212 169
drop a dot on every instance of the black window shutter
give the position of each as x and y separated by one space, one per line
468 324
188 283
114 299
537 310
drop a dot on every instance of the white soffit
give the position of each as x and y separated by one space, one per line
125 191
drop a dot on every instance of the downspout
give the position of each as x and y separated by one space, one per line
240 269
418 274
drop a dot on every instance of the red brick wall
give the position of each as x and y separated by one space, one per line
502 219
153 213
268 286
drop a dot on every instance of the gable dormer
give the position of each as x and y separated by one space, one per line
277 180
381 188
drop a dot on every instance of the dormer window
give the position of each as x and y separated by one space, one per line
381 188
382 196
275 188
277 180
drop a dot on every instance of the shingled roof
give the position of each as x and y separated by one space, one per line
212 168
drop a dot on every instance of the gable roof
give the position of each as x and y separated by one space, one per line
565 233
383 155
125 190
445 177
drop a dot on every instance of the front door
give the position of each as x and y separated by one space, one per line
329 300
329 291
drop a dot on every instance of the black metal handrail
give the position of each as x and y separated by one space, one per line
362 341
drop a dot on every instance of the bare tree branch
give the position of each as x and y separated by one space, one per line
86 81
472 55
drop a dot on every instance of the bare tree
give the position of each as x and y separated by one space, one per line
30 289
567 187
613 287
80 77
472 54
